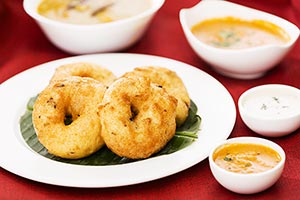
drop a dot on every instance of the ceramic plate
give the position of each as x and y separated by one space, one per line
215 106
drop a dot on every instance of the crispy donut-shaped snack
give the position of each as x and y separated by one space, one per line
172 83
137 117
65 117
83 69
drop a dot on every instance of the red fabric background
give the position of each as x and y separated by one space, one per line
23 45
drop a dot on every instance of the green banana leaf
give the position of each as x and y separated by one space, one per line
185 135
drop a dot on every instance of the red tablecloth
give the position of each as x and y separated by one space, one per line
23 45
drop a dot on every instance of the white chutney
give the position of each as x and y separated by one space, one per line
271 110
273 106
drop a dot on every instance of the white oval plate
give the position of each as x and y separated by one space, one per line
215 106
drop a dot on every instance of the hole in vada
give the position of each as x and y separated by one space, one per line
134 112
68 119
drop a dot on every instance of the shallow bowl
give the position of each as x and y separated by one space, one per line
248 63
85 39
271 110
247 183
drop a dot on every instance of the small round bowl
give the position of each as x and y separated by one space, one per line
247 183
271 110
96 38
248 63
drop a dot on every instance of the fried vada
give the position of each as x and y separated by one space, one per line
137 117
172 83
84 69
65 117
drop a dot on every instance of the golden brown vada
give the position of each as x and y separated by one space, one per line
65 117
84 69
137 117
172 83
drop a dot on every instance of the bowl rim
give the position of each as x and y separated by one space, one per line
187 29
251 140
32 11
265 87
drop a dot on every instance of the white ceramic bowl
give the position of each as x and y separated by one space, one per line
271 110
241 63
247 183
84 39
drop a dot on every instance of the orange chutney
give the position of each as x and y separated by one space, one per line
246 158
235 33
